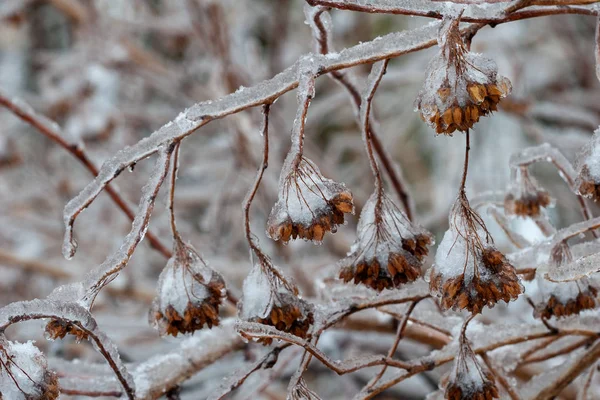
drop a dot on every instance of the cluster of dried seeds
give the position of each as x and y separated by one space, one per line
389 250
309 205
585 300
587 184
189 293
525 198
460 86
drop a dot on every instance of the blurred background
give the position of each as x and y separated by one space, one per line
110 72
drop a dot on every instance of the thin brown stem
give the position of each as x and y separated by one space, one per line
171 206
499 377
463 181
399 335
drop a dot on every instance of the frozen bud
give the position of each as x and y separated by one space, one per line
525 198
189 293
389 249
269 299
58 329
460 86
468 379
588 169
564 298
469 272
308 205
24 373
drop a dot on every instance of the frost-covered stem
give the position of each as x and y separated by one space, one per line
252 192
509 389
588 381
266 361
399 335
52 131
322 35
171 204
253 329
463 180
306 92
373 81
544 225
545 152
577 367
108 270
304 363
74 314
431 9
564 235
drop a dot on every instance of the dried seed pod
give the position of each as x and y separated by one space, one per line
468 379
564 298
389 249
460 86
269 299
588 169
524 196
24 373
309 205
189 293
58 329
469 272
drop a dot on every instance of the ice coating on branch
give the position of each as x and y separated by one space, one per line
269 299
588 168
525 198
308 204
189 293
389 249
468 379
460 86
24 373
469 272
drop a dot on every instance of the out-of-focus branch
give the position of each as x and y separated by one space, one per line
52 131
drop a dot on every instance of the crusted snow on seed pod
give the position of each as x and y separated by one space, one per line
525 198
24 373
564 298
588 169
389 249
189 293
469 380
309 205
469 272
460 86
268 298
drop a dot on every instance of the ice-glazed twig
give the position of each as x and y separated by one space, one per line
172 182
597 48
344 367
545 152
373 81
252 192
320 22
399 335
109 269
53 132
73 314
503 381
480 13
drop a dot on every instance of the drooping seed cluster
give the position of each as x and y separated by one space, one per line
389 249
525 198
460 86
270 300
468 379
469 272
308 205
189 293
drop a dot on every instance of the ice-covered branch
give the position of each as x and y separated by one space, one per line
73 314
108 270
